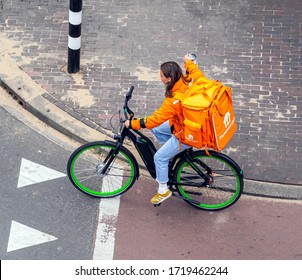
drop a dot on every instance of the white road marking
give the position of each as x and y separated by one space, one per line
22 236
105 234
32 173
108 214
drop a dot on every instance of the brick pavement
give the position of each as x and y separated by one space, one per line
254 46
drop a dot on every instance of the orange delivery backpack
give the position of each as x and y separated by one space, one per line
209 119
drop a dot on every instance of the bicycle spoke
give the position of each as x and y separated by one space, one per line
91 173
221 188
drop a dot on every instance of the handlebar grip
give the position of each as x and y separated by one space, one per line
126 108
129 94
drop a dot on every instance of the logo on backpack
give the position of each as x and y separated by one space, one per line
190 137
227 119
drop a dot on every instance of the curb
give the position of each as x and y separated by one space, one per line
53 116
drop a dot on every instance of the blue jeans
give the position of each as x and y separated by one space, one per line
170 148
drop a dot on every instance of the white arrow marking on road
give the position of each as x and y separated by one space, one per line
22 236
32 173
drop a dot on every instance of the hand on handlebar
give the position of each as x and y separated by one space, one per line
127 123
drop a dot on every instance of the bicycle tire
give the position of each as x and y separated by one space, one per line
226 184
85 165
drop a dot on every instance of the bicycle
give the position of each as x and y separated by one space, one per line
107 169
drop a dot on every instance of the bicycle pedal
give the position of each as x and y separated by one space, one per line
156 205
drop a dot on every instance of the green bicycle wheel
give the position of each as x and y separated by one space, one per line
86 165
224 188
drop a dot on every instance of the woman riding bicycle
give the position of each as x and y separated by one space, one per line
166 123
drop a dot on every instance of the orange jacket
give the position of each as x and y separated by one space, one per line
171 108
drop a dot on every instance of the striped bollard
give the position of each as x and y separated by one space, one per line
74 38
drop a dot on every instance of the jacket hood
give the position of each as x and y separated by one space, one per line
180 86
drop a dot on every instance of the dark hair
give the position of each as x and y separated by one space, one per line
172 70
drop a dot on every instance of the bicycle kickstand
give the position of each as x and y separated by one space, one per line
184 198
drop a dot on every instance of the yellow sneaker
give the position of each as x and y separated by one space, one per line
158 198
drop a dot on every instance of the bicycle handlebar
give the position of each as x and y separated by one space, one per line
126 108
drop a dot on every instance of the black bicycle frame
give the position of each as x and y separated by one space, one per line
187 156
143 144
146 149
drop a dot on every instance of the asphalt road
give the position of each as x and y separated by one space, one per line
252 229
41 215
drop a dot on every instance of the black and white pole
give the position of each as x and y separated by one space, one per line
74 38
